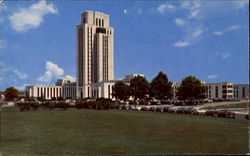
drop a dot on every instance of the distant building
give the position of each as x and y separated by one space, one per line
43 91
241 91
223 90
63 88
175 86
62 81
129 77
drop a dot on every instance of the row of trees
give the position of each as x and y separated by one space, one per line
160 88
139 88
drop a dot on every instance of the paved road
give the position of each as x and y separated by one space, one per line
220 103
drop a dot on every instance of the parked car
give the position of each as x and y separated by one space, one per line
158 109
172 109
165 109
222 113
199 111
207 101
188 110
211 112
180 110
225 114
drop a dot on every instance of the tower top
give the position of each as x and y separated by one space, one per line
95 18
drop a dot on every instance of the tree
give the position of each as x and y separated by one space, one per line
160 87
121 91
11 93
60 98
190 89
139 87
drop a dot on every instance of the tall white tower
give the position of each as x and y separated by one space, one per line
94 51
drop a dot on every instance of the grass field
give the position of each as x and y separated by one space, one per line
92 132
234 105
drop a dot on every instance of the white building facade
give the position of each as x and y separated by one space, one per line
43 91
95 50
63 88
241 91
223 90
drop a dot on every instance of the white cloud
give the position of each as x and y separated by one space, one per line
197 33
212 76
192 36
225 55
28 18
193 7
193 14
166 7
241 3
20 74
218 33
2 9
227 29
190 5
182 44
233 27
179 22
52 71
71 78
191 25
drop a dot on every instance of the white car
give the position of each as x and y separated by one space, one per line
201 111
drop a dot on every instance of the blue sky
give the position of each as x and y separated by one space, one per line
207 39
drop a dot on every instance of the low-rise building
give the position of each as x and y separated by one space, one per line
103 89
241 91
69 90
63 88
129 77
223 90
43 91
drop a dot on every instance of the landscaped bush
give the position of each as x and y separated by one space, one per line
82 104
62 105
27 106
99 104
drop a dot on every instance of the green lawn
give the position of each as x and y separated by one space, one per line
92 132
234 105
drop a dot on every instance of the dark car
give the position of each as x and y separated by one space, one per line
180 110
165 109
188 111
158 109
222 113
211 113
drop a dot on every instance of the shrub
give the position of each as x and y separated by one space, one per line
62 105
23 106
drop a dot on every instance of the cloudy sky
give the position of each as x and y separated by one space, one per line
207 39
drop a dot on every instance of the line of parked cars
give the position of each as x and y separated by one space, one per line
169 101
178 110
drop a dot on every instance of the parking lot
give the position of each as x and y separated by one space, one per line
238 113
